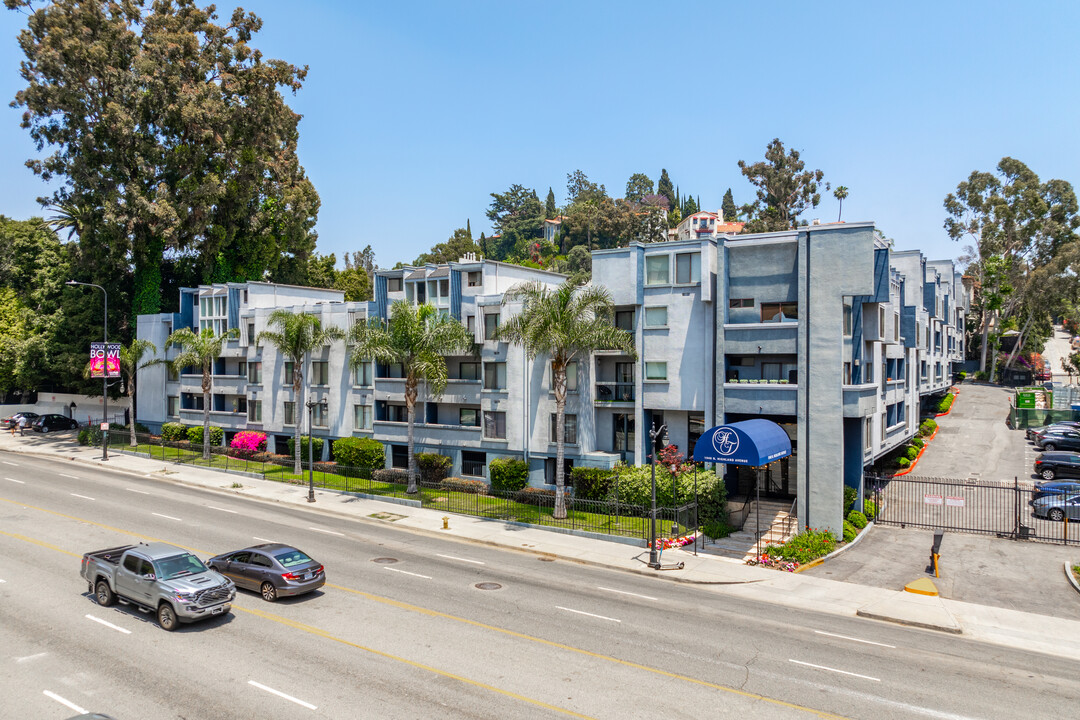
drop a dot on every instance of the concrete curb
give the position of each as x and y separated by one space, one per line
1071 577
853 543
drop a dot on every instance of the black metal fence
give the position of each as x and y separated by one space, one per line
1001 508
535 508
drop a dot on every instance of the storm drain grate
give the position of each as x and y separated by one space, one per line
384 561
488 586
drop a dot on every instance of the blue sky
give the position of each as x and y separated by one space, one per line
414 112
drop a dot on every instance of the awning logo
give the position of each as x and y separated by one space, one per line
725 441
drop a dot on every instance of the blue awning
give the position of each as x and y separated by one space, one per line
750 442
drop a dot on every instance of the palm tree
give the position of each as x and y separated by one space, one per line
200 351
297 335
131 362
840 193
565 323
418 337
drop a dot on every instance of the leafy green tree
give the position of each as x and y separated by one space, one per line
690 206
452 250
785 189
727 206
515 214
580 189
565 324
354 283
131 362
166 129
200 351
551 210
840 194
637 187
296 336
665 188
420 338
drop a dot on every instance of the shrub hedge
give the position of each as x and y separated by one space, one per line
432 466
850 532
857 519
903 462
911 452
850 496
635 489
456 484
927 427
393 475
316 447
173 431
870 509
945 403
508 474
360 452
592 483
803 547
195 435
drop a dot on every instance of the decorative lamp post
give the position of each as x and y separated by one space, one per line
105 374
311 463
654 561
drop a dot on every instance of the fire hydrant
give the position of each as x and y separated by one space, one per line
445 523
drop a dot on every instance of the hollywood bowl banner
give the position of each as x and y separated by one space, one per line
104 360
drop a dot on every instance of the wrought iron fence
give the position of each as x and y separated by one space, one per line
1016 509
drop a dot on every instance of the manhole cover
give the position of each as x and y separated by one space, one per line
385 561
488 586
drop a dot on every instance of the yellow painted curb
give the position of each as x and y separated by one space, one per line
922 586
807 566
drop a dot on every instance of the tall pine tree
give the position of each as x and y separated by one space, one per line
665 188
550 210
728 207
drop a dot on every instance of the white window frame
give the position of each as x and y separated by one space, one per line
362 417
651 368
694 269
660 279
652 309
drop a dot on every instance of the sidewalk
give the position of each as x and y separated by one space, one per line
1012 628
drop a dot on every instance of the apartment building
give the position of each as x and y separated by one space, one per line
825 330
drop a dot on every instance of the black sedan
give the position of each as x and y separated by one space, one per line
1059 440
1052 465
51 422
272 569
13 421
1034 432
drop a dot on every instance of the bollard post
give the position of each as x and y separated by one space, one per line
935 551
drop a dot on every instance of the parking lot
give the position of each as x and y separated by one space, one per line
973 443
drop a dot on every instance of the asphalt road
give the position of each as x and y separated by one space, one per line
416 637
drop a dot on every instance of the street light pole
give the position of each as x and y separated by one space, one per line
654 561
311 465
105 373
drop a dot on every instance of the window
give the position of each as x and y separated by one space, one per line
255 372
470 324
687 268
695 428
320 373
259 560
656 371
491 325
399 456
469 417
779 312
290 413
868 433
290 376
241 369
174 405
393 284
474 278
254 409
624 320
741 303
397 413
173 374
657 270
495 425
362 374
549 471
319 415
847 373
571 376
656 317
362 417
847 320
251 332
469 371
472 463
896 327
495 376
881 321
569 429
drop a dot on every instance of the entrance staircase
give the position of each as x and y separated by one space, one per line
777 522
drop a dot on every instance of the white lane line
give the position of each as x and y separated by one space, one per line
842 672
406 572
3 581
109 624
221 509
582 612
262 539
141 492
84 497
168 517
328 532
854 639
30 657
280 694
451 557
73 477
10 463
623 592
67 703
21 482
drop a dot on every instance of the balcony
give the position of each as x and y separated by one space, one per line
860 400
228 384
614 393
755 338
761 397
232 349
430 434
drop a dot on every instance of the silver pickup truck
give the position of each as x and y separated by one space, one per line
160 578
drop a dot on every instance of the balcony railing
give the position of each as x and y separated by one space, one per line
615 391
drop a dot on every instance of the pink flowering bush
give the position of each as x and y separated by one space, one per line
248 442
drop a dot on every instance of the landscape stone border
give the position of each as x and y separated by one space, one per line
1070 576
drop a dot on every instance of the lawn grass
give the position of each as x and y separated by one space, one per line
472 504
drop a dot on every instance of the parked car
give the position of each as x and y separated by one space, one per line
14 419
1056 464
272 569
48 423
1045 489
1057 507
1059 439
1033 432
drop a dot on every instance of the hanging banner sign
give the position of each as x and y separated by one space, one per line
104 360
